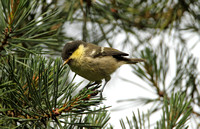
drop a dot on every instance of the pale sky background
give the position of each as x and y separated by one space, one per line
117 89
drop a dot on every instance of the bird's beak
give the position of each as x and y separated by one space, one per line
66 61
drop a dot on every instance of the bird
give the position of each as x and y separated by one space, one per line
94 62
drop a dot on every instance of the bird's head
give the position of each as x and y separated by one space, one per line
71 50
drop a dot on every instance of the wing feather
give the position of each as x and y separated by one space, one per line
112 52
96 51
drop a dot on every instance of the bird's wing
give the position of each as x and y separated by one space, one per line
96 51
106 51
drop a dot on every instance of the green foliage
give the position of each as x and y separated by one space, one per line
35 89
28 29
136 122
176 112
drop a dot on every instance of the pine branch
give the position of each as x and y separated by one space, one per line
176 112
25 34
37 91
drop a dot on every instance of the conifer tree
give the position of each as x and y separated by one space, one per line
36 90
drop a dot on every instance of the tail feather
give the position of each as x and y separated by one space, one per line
134 60
129 60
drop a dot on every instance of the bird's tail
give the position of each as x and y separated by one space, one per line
134 60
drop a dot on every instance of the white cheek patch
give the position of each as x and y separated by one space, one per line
93 52
102 49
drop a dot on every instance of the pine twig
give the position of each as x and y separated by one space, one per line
77 102
5 40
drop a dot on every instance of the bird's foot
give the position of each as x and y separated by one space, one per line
91 84
101 94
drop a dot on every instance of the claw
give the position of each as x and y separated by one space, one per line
91 84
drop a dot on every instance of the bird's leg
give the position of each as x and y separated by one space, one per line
101 91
